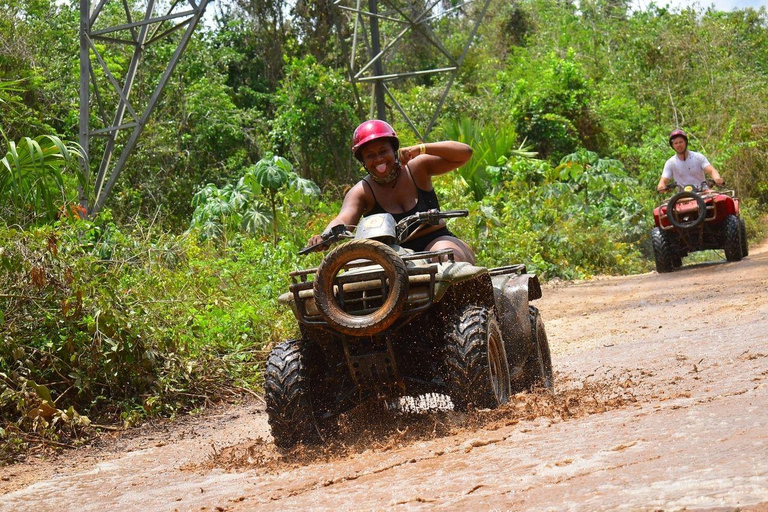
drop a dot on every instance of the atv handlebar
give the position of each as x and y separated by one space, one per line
431 217
334 234
706 183
403 228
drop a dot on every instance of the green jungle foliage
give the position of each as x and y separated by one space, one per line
169 297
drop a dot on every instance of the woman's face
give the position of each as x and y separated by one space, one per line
378 157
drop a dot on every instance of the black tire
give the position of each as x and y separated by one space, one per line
662 251
677 262
743 233
732 238
328 304
672 214
537 370
476 367
287 395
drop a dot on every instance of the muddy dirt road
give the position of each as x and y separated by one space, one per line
661 404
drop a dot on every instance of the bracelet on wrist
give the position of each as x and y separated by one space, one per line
422 148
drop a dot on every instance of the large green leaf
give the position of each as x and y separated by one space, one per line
304 187
272 172
240 195
256 218
31 179
490 144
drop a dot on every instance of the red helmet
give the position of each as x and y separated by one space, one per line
372 130
678 133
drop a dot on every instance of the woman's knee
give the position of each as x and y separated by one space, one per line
461 251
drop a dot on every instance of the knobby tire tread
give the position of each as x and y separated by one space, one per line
662 251
466 361
732 238
744 241
286 393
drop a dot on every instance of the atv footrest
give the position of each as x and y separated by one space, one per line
507 269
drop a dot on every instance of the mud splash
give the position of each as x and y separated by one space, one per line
375 428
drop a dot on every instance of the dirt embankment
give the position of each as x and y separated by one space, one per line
661 404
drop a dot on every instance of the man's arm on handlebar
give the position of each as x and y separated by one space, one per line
711 171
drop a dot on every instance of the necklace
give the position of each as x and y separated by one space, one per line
390 177
394 181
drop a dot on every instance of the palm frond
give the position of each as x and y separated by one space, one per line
31 176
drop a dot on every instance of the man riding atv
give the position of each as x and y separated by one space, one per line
685 167
696 218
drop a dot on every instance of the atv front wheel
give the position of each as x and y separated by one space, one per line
743 232
287 395
394 289
732 238
537 371
476 367
662 251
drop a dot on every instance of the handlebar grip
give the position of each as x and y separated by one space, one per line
309 248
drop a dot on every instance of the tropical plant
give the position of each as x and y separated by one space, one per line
314 120
492 146
273 176
587 171
219 211
32 182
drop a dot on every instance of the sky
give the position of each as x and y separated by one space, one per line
720 5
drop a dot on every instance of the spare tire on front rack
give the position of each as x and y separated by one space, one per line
393 278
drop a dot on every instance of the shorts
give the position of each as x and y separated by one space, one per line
420 244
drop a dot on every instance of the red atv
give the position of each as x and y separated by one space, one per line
697 219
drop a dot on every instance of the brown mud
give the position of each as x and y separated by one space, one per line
661 404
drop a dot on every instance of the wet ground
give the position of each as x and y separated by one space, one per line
661 404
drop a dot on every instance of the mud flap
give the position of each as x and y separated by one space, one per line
512 294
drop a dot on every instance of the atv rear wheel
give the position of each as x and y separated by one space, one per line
743 233
396 287
689 224
537 371
732 238
476 367
662 251
287 395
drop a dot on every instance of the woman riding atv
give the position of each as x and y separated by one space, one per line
399 182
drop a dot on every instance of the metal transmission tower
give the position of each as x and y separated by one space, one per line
411 17
133 36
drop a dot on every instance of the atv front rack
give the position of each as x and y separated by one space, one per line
710 216
363 292
711 208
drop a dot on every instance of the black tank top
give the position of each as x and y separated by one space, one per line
426 200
